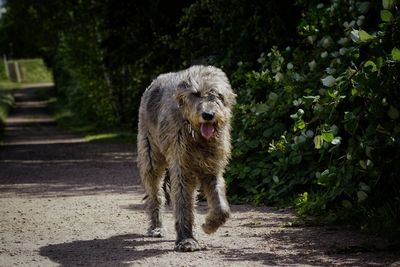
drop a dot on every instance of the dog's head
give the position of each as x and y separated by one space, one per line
205 98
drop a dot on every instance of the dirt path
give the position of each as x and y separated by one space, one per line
66 202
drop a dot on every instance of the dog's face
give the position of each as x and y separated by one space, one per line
205 99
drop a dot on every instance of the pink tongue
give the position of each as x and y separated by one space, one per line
207 130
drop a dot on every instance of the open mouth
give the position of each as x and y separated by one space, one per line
207 130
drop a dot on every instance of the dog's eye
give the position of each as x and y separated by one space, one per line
196 94
221 97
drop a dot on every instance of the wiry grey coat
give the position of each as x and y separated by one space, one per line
184 126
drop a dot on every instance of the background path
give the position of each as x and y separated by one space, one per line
67 202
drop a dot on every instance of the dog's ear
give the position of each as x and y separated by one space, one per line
232 98
181 90
229 97
183 86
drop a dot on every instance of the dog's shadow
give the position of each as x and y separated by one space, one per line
120 250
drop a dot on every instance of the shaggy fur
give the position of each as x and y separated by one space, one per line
184 127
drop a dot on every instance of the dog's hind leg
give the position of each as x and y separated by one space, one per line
152 171
214 190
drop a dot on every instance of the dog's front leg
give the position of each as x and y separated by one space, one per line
183 188
214 190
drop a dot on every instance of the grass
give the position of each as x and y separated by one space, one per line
67 119
6 100
33 71
7 86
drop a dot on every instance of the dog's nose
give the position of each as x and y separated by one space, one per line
207 116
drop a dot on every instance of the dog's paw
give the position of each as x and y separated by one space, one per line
188 245
210 227
155 232
214 221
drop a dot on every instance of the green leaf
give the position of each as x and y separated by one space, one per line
296 159
253 143
336 141
255 172
364 36
347 204
355 36
328 136
325 172
368 151
324 178
363 6
393 113
300 125
267 132
318 141
332 93
363 164
261 108
361 195
350 122
364 187
396 54
371 64
311 98
387 4
275 178
328 81
386 15
273 96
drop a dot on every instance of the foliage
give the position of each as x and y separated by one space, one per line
210 35
3 74
320 120
6 101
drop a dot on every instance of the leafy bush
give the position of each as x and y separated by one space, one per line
210 35
319 123
3 75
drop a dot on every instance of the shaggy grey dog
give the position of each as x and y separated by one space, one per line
184 127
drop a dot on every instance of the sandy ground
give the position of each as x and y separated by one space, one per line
67 202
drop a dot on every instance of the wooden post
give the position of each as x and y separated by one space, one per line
17 71
6 66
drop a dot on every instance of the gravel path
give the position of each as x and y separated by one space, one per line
67 202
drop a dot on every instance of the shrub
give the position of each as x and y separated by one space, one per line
3 75
319 121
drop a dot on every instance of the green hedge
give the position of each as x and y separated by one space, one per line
318 124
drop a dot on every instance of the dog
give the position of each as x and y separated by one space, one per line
184 128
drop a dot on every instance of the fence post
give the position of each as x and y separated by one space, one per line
17 71
6 66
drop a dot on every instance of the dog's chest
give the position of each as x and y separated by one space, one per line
203 157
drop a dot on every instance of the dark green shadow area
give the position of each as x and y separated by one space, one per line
71 121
